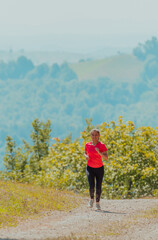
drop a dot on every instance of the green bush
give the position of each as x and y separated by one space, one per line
131 169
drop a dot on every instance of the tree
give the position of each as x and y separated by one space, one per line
40 71
23 66
12 70
3 71
15 69
10 154
151 69
63 72
41 138
67 74
21 161
55 71
149 48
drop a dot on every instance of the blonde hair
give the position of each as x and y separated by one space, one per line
95 130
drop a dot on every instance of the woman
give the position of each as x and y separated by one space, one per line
94 152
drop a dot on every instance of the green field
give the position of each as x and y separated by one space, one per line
122 68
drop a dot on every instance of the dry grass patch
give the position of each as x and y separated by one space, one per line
150 214
122 227
21 201
73 237
69 238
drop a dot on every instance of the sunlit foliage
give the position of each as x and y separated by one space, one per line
21 201
131 169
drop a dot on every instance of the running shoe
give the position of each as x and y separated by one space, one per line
90 204
98 206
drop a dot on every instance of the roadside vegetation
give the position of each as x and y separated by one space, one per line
130 172
20 201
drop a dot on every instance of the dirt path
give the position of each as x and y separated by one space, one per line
118 219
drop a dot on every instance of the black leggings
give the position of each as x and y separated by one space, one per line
93 173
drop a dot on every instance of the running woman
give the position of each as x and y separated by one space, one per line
95 151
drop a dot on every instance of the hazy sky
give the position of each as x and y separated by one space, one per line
122 19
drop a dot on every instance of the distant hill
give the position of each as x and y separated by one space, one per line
34 86
120 68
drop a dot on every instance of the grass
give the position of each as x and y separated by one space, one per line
22 201
119 228
150 213
72 237
120 68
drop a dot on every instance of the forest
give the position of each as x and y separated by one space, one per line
56 93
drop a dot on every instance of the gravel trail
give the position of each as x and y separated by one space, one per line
118 220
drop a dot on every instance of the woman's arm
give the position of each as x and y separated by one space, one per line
86 155
104 155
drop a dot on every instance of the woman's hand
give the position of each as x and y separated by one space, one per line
86 156
97 149
104 155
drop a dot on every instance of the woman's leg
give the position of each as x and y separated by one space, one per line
91 181
99 179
